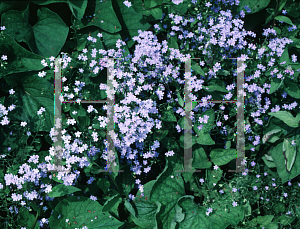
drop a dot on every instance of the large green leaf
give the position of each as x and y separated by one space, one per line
168 188
285 56
145 217
268 135
213 177
254 5
172 43
126 180
81 211
105 17
26 219
112 203
278 157
206 126
19 59
180 8
77 8
200 160
286 117
50 32
275 85
160 134
34 93
62 190
18 27
168 116
198 69
133 21
204 138
284 19
289 153
222 156
291 88
216 85
190 215
195 215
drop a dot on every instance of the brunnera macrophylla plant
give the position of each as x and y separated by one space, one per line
141 84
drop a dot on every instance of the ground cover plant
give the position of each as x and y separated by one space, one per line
151 41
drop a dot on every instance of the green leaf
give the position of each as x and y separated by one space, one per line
26 219
47 2
278 31
206 126
35 93
254 5
198 69
216 85
112 202
284 19
213 177
275 85
180 100
145 217
222 156
105 18
172 43
286 117
171 144
279 159
228 144
181 7
83 121
168 116
190 215
103 184
20 59
281 5
291 88
269 163
77 8
156 13
200 160
289 153
126 180
17 27
292 8
204 138
82 211
264 220
285 56
285 220
62 190
160 134
269 134
133 21
50 32
167 190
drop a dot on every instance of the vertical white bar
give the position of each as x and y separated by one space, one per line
240 137
110 134
188 138
110 113
57 116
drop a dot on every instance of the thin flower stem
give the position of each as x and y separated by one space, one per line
36 132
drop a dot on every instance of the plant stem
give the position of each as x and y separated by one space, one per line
36 217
